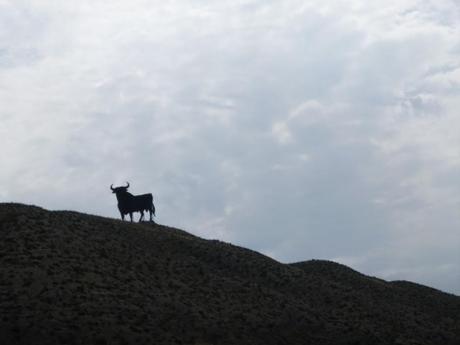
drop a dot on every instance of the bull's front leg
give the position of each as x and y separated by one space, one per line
122 216
141 217
131 216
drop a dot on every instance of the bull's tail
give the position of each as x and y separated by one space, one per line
152 208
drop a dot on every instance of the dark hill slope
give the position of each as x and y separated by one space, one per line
71 278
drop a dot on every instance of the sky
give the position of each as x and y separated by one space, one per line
302 129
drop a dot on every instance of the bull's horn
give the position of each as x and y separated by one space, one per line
111 187
127 184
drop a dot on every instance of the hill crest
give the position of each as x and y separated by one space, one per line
73 278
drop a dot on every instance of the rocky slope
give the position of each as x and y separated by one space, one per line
71 278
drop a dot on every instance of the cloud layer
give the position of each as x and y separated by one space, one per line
300 129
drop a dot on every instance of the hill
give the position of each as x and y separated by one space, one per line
72 278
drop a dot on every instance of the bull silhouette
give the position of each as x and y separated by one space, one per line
128 203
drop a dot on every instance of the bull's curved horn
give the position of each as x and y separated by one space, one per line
111 187
127 184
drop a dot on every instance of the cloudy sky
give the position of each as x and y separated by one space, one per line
300 129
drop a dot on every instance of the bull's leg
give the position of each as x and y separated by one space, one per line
122 216
151 214
142 216
131 216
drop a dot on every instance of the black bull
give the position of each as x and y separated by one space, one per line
128 203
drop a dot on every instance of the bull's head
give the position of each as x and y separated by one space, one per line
119 189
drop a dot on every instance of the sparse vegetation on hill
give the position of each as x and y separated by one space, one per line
71 278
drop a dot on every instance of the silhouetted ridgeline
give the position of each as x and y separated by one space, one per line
71 278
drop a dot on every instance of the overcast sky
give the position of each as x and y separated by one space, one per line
300 129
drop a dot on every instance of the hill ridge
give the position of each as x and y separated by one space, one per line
73 278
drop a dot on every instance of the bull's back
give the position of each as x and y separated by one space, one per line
143 201
136 203
147 196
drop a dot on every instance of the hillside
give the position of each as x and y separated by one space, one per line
72 278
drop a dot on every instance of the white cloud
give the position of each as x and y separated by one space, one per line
277 124
281 132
